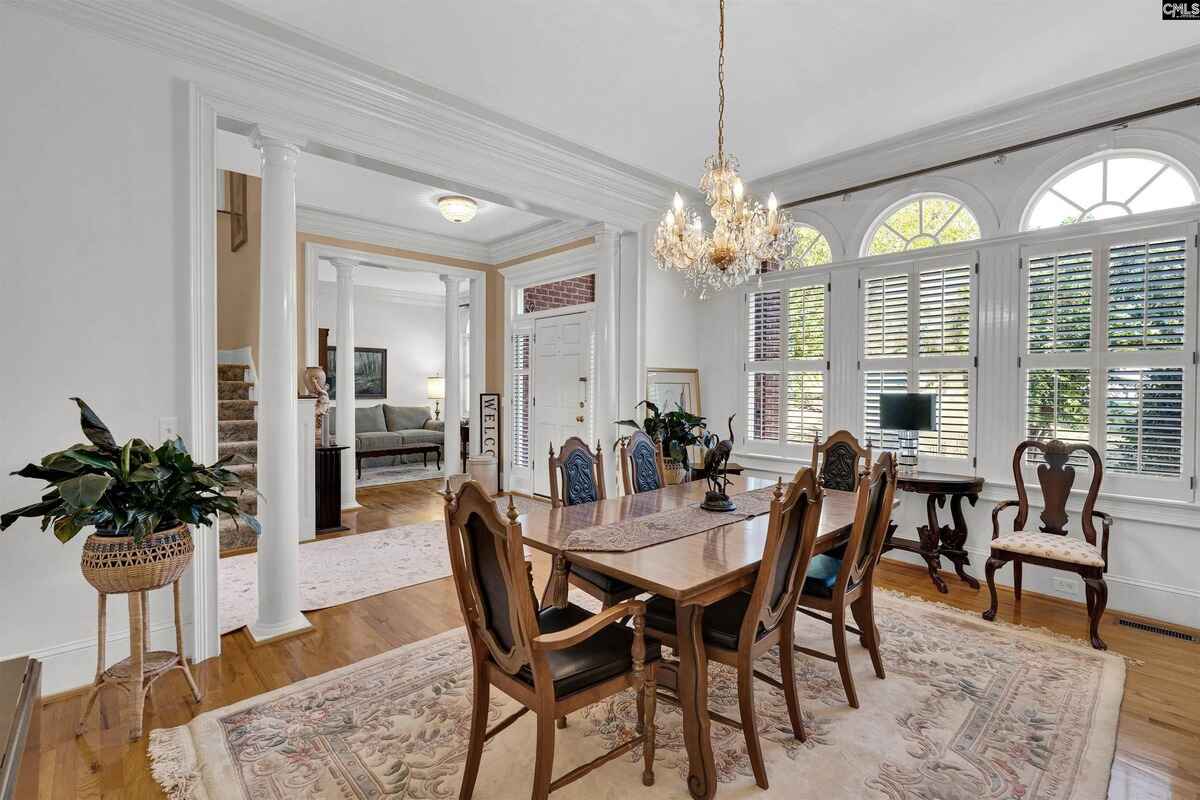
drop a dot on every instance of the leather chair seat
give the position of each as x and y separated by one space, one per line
821 576
594 660
722 620
601 581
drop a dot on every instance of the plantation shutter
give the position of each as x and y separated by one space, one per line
875 383
764 359
944 324
1147 297
885 311
520 400
1143 421
1060 303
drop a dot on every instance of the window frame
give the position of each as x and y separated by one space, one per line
913 363
783 282
882 218
1099 359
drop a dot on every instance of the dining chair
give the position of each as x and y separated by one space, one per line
552 661
1051 545
642 466
839 457
746 625
577 476
834 583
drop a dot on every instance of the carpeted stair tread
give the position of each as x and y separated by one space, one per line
233 390
237 430
246 449
231 372
229 410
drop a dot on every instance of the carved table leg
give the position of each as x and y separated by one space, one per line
555 595
930 536
954 540
693 699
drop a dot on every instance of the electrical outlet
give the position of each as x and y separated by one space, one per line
168 428
1065 586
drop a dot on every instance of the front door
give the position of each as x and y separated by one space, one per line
561 362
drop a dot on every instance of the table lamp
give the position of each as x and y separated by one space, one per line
435 389
909 413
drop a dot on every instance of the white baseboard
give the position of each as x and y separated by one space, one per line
71 665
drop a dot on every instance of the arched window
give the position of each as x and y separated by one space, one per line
811 250
1112 184
922 221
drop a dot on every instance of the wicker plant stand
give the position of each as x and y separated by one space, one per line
114 565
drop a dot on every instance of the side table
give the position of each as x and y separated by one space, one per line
935 540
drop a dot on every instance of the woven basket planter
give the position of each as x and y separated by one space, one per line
676 472
116 565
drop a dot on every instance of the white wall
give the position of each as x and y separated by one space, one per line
671 322
1155 545
413 334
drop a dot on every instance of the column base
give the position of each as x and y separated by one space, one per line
265 634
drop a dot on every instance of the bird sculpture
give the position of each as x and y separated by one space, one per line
716 462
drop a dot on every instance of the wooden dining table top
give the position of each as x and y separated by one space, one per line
691 567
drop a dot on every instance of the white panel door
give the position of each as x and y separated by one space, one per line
561 360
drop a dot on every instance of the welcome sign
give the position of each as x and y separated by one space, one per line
489 431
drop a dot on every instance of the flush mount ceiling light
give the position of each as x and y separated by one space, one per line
457 208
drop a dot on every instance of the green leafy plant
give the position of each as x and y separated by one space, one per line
130 489
677 430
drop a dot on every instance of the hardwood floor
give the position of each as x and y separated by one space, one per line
1158 747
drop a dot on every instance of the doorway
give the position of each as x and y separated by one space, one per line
562 371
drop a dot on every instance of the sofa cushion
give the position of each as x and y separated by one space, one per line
435 425
377 440
403 418
421 436
369 420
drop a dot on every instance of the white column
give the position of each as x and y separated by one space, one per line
478 355
278 448
453 438
605 410
344 410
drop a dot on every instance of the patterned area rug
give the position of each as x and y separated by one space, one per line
969 710
336 571
401 473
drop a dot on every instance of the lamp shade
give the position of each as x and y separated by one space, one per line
435 387
907 411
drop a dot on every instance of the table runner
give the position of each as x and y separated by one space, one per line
665 526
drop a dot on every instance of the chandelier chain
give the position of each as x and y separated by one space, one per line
721 89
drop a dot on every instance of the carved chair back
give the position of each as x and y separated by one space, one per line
872 515
576 474
791 535
487 559
642 466
840 468
1056 476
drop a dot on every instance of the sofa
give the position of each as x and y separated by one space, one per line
382 427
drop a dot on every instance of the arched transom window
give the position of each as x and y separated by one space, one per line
922 221
1110 185
811 250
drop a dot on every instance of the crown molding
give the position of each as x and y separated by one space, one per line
464 144
1147 84
543 237
321 222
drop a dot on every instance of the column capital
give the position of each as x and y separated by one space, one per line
345 266
265 137
451 281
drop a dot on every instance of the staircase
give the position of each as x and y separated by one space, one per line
237 432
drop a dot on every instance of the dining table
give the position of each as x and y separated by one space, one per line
694 570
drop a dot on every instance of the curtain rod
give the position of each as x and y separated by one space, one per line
958 162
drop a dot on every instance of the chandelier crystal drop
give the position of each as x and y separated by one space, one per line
745 233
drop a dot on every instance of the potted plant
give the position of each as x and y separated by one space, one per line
140 500
677 431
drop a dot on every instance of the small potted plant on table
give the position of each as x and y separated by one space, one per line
677 430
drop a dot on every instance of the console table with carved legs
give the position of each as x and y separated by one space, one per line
934 540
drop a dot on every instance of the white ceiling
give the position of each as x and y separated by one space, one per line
336 186
635 79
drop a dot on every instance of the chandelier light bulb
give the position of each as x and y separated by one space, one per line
678 203
772 203
739 190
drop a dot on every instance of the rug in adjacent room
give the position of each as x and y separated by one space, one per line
968 710
400 473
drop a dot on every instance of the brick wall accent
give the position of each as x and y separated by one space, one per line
559 294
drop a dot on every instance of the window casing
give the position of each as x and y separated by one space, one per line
786 364
920 221
918 335
1108 342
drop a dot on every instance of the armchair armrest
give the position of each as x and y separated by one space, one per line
1106 522
435 425
590 627
996 515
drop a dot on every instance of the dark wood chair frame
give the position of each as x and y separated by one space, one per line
629 467
1056 476
496 665
804 499
855 586
836 442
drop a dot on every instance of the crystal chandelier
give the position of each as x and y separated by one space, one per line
745 234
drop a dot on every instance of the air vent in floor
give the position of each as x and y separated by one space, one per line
1141 626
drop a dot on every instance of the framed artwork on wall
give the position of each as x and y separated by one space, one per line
370 373
674 387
